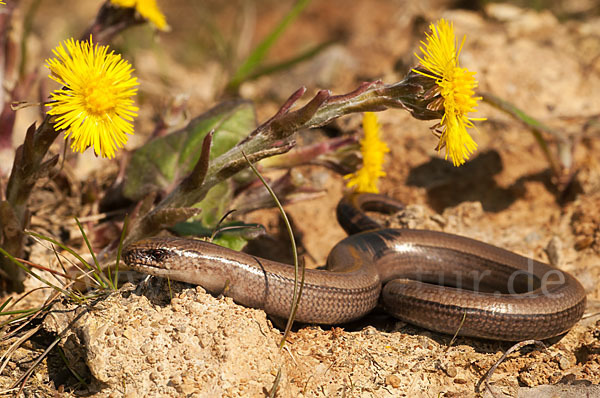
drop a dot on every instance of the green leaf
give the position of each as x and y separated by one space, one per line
232 241
235 237
162 162
215 203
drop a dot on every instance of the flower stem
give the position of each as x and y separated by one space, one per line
276 136
28 167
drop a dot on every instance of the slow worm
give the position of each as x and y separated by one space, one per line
431 279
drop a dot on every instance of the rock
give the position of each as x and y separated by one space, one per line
131 343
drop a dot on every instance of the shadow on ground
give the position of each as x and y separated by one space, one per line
448 186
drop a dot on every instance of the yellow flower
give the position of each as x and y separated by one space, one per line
148 9
373 150
456 85
95 105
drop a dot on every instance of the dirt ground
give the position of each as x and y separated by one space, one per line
139 342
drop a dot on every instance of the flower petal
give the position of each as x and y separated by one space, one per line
95 106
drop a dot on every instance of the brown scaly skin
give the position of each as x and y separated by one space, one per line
428 278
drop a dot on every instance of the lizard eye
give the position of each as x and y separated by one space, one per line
150 257
156 255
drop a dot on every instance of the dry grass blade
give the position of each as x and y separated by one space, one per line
23 379
42 268
218 226
8 354
273 392
462 322
98 277
20 383
36 276
31 314
485 379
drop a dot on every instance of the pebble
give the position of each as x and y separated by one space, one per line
393 380
554 250
451 371
564 363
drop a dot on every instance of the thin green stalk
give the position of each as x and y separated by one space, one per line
297 288
4 304
91 250
261 50
218 226
119 251
284 65
26 314
537 128
73 371
36 276
97 277
14 312
273 392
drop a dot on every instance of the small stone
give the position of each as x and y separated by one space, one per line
460 380
554 251
129 334
438 218
393 380
187 386
369 330
564 363
450 370
583 242
528 378
131 393
452 394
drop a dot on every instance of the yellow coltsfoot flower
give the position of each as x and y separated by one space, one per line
456 86
95 106
373 151
148 9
